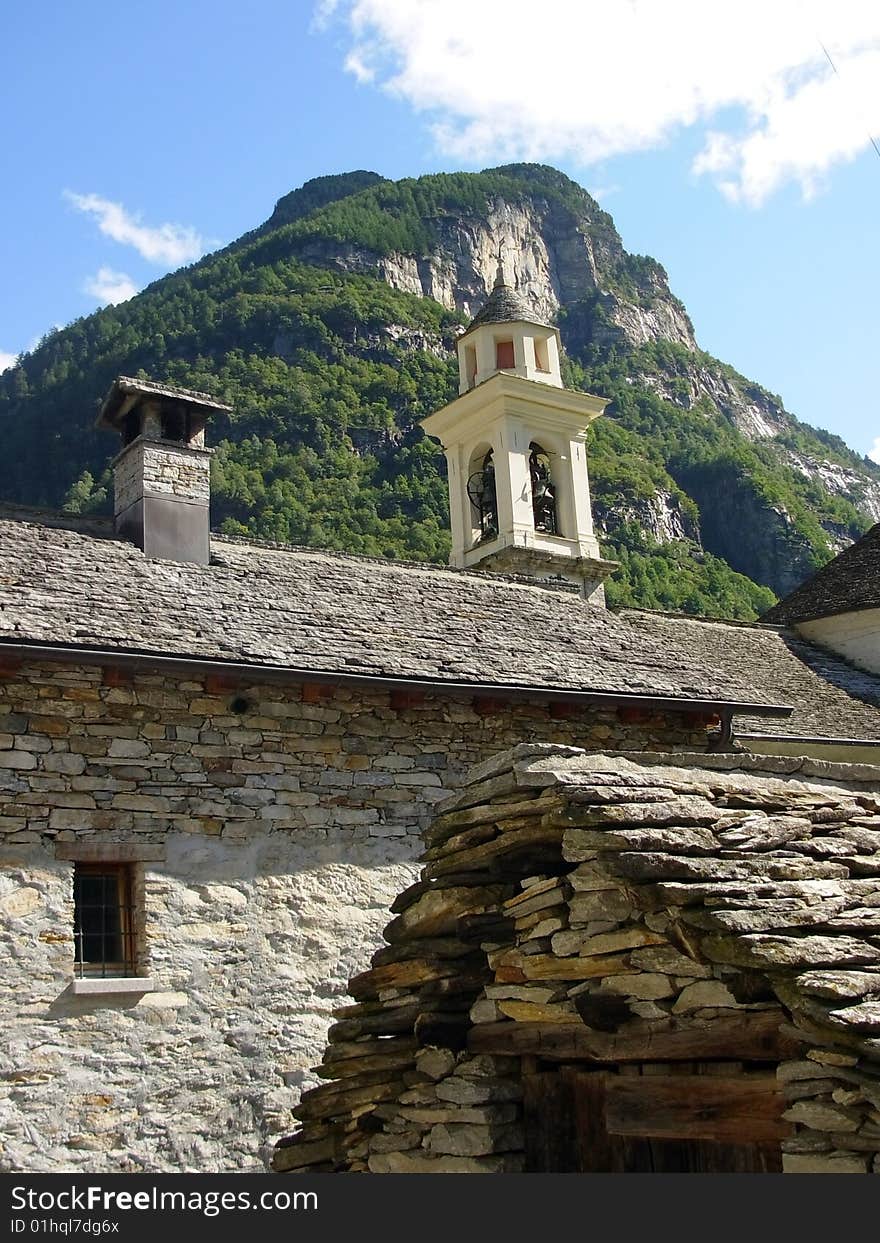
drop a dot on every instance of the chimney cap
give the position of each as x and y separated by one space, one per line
126 392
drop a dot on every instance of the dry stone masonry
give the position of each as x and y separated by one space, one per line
159 469
270 825
621 962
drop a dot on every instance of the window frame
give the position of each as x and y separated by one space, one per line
126 967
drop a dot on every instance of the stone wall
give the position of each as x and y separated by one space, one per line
270 827
150 468
604 953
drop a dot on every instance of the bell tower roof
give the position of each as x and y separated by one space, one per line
504 306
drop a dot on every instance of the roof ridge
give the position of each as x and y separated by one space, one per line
562 586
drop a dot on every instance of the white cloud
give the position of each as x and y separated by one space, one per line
7 360
166 244
591 79
874 451
110 286
602 192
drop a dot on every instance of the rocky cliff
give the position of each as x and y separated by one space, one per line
563 254
556 257
331 329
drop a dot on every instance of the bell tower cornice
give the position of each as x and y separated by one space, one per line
510 394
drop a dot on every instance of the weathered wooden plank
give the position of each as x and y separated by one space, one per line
748 1037
551 1146
746 1109
597 1153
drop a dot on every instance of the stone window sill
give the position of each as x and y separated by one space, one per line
105 985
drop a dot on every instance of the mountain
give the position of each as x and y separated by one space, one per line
330 328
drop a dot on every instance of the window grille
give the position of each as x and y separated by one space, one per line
104 925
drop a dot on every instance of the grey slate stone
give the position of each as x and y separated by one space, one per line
847 584
68 582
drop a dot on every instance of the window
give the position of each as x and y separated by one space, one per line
541 357
504 360
103 918
470 364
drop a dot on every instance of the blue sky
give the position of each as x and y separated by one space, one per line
718 136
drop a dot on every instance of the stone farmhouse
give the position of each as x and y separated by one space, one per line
220 760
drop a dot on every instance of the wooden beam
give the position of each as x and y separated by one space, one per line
550 1138
400 700
751 1037
10 664
742 1110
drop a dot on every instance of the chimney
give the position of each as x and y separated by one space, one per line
162 475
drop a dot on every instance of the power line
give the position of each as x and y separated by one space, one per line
871 137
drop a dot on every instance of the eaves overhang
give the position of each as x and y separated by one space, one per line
277 673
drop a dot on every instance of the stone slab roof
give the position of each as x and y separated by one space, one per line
504 306
127 386
845 585
325 612
619 909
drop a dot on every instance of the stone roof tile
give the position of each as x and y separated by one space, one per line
329 612
845 585
504 306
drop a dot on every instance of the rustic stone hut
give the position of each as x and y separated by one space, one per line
621 963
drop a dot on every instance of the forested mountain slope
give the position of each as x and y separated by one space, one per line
331 330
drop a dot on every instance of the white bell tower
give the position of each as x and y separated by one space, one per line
519 493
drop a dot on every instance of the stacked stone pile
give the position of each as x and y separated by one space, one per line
625 913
